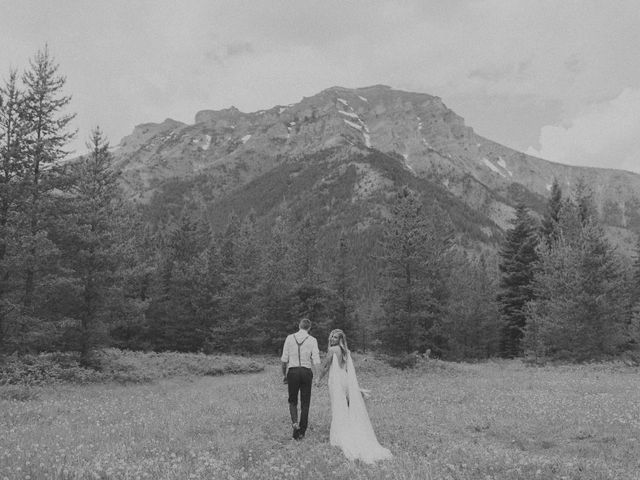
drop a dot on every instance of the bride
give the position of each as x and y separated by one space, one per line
351 428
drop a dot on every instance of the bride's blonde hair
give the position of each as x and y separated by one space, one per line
342 343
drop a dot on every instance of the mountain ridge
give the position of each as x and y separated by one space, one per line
416 129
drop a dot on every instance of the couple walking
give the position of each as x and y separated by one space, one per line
351 428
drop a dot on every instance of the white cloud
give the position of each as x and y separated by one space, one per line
605 135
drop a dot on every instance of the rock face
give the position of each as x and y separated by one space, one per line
415 129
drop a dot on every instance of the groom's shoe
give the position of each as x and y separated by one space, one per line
300 435
296 431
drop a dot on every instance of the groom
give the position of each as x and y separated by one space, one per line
299 356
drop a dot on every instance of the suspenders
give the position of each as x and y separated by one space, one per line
300 345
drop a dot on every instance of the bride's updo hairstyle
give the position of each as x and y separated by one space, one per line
342 343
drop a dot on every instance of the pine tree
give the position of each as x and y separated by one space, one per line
414 246
343 285
175 317
92 243
136 276
549 227
518 259
44 138
634 290
277 289
581 307
305 252
241 284
11 153
11 176
583 199
471 326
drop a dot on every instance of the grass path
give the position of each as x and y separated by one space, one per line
486 421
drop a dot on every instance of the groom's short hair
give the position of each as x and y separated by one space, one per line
305 324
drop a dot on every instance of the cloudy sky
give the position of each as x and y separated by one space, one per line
559 79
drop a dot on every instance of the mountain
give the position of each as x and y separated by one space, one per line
350 148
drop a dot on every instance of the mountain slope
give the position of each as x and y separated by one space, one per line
225 154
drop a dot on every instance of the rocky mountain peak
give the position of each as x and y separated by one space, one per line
416 129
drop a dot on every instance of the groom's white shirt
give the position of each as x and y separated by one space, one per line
308 350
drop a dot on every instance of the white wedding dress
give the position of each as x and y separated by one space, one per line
351 428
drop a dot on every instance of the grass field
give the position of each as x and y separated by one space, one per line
441 421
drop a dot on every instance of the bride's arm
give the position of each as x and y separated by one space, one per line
325 365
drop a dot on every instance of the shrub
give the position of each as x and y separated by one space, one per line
401 362
43 369
140 366
20 393
117 365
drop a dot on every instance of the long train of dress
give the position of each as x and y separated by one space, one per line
351 428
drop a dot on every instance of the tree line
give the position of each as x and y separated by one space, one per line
82 267
565 293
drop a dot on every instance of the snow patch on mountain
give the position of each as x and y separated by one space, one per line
367 139
357 126
349 114
493 168
363 99
245 138
406 164
362 128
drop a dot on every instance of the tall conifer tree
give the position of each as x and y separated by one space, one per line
549 227
518 258
580 310
45 137
415 243
92 253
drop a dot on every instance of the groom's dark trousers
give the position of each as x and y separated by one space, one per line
299 379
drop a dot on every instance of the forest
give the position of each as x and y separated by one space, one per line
83 267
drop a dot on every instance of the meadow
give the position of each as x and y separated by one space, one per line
494 420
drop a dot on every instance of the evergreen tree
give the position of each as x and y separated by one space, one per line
471 326
11 154
174 315
314 298
11 176
634 290
92 244
241 283
343 285
45 137
583 199
549 228
277 289
518 259
414 246
305 252
137 275
581 307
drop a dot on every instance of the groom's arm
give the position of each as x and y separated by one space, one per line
285 360
315 360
